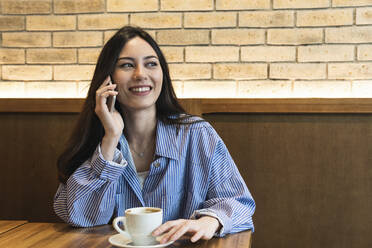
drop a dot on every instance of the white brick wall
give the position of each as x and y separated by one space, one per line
215 48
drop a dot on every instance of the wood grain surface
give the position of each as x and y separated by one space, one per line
204 106
310 175
7 225
60 235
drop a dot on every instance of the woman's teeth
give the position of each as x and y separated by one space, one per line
140 89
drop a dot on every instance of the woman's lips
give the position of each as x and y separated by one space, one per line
140 90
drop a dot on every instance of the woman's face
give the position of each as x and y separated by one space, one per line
138 75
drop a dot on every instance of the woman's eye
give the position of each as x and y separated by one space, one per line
152 64
126 65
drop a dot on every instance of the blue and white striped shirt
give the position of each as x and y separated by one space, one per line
193 174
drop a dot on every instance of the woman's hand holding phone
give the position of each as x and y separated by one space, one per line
111 100
111 120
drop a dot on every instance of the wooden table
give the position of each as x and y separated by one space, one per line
7 225
60 235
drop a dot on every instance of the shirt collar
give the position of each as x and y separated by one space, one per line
166 141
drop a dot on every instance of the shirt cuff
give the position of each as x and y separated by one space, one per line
205 212
109 170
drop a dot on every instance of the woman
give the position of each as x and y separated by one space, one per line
147 152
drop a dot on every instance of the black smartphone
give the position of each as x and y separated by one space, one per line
111 100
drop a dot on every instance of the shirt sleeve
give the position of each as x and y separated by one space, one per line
228 196
88 197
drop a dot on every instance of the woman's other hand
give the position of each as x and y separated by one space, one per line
112 121
202 228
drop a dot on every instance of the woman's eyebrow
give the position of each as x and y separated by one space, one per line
130 58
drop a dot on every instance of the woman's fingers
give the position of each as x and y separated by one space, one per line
177 229
109 93
106 85
180 230
175 232
165 227
198 235
103 92
110 87
203 228
105 82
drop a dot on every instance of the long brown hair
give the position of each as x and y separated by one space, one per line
89 131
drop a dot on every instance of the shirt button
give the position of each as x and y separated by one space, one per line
157 165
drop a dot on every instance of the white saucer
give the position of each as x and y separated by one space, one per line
121 241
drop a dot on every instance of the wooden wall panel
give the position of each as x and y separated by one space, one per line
29 147
311 176
310 173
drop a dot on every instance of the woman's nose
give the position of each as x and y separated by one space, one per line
139 73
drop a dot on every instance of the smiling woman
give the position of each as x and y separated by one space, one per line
146 151
138 61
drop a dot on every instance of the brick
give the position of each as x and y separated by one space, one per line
326 53
210 19
89 55
173 54
157 20
109 34
334 17
77 39
50 22
350 3
326 89
294 36
79 6
238 36
212 54
26 6
240 71
348 35
178 88
12 23
300 4
132 6
266 19
27 72
190 71
297 71
209 89
350 71
102 21
171 5
51 56
242 4
30 39
264 89
152 33
183 37
11 89
73 72
12 56
268 53
83 87
361 89
364 16
365 52
51 89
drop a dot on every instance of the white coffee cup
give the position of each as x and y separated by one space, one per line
139 223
